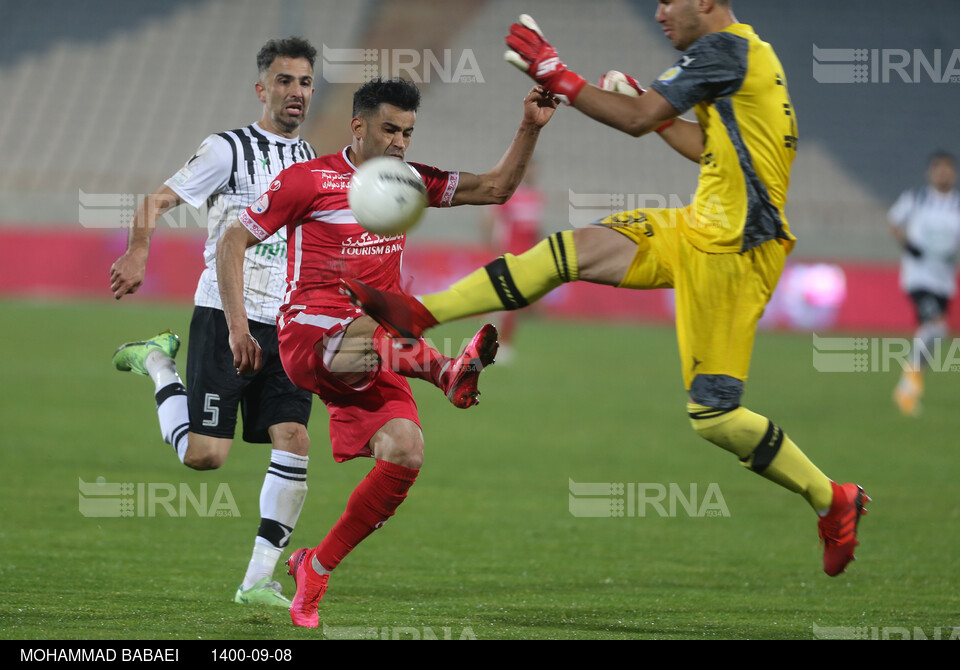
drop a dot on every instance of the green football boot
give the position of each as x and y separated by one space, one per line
262 593
132 355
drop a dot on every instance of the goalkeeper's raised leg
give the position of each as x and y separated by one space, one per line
596 254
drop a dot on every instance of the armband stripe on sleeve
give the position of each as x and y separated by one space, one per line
452 182
253 226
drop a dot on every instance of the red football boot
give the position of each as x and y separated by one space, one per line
310 588
838 529
402 316
459 382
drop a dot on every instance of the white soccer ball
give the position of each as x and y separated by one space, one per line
387 196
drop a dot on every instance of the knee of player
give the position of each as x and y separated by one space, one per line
403 448
290 437
712 399
409 454
399 441
203 459
717 391
351 360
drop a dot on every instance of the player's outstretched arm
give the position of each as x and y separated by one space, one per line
499 183
127 272
634 116
531 53
685 137
247 357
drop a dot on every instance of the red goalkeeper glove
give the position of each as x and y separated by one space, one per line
530 52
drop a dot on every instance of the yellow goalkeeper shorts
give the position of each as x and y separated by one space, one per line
719 297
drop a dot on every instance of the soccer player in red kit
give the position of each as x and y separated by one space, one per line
330 347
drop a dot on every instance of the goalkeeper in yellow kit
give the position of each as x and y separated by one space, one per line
723 254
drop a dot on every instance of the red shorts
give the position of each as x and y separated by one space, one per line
355 414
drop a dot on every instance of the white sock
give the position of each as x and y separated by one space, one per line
161 368
281 501
262 563
319 569
174 416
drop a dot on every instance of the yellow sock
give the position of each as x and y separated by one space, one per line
509 282
764 448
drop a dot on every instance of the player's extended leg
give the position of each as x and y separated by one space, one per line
281 501
365 345
155 358
765 449
398 448
595 254
720 298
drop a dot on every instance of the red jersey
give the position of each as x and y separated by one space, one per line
324 241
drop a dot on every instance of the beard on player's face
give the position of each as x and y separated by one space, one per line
286 122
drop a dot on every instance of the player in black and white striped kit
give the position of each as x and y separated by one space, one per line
229 172
926 224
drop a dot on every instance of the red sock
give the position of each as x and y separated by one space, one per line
420 360
374 501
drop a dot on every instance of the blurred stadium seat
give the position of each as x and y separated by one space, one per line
110 97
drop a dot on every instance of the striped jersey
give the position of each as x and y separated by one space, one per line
735 83
931 222
325 241
228 172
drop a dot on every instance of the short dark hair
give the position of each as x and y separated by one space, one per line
942 155
290 47
397 92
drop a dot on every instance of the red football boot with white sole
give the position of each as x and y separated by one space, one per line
460 381
838 529
310 588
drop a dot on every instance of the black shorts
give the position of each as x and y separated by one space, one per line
928 305
215 390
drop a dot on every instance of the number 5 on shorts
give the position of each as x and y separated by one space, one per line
209 408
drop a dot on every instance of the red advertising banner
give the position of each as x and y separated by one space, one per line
45 261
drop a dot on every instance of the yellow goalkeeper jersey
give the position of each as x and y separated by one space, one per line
735 83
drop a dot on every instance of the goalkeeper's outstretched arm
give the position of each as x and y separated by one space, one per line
686 137
635 115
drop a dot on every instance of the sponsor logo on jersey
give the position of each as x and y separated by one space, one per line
266 250
260 206
371 244
336 181
183 175
670 74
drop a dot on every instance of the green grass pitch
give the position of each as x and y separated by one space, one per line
486 546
